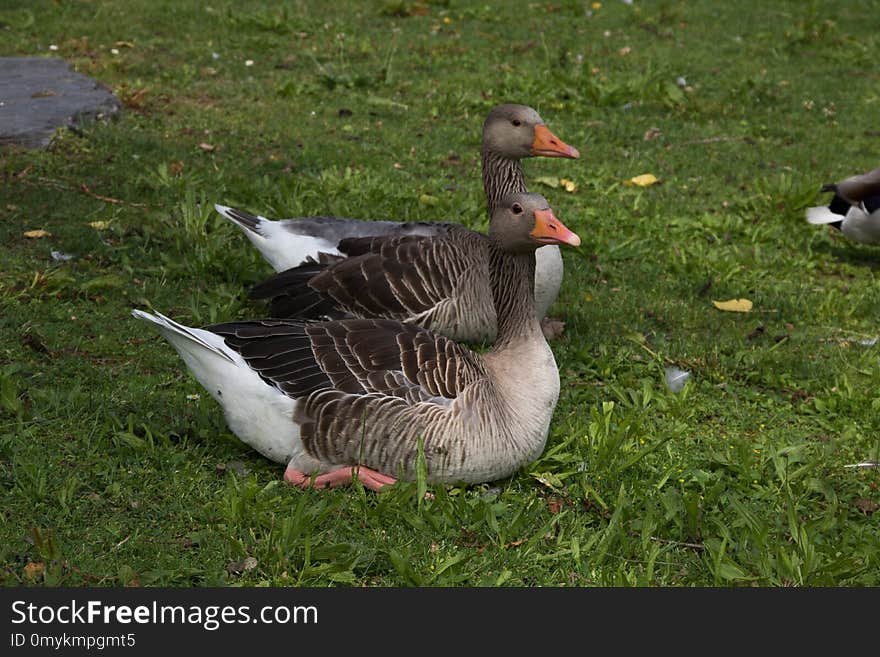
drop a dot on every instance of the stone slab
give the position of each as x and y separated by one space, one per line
40 94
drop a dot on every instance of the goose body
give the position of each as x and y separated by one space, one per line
510 133
855 208
360 396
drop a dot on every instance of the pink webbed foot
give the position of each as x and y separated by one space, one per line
341 477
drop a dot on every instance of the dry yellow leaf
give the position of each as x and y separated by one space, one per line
36 234
99 225
34 569
734 305
644 180
568 185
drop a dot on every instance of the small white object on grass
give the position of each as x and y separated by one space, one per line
61 257
676 378
869 342
863 464
681 82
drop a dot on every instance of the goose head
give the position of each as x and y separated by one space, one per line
525 221
518 131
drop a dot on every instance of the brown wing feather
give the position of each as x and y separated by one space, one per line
398 277
357 356
392 358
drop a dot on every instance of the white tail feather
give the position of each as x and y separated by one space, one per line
168 325
224 210
258 413
229 213
822 215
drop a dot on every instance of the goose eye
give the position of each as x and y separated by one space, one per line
517 208
516 123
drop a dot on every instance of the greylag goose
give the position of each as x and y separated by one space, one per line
855 208
358 397
510 133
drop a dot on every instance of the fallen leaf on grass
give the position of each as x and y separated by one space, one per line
644 180
866 506
427 199
208 148
34 569
757 333
99 225
568 185
734 305
37 234
554 505
34 341
238 567
452 160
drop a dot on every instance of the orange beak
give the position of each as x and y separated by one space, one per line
549 230
547 144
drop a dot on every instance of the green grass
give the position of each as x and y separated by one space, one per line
111 475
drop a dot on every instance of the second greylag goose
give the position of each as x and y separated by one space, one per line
855 208
510 133
359 397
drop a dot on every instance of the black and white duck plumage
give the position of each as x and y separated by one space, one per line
854 209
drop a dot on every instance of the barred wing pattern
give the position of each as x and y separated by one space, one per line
440 281
367 389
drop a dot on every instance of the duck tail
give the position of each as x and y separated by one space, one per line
821 214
